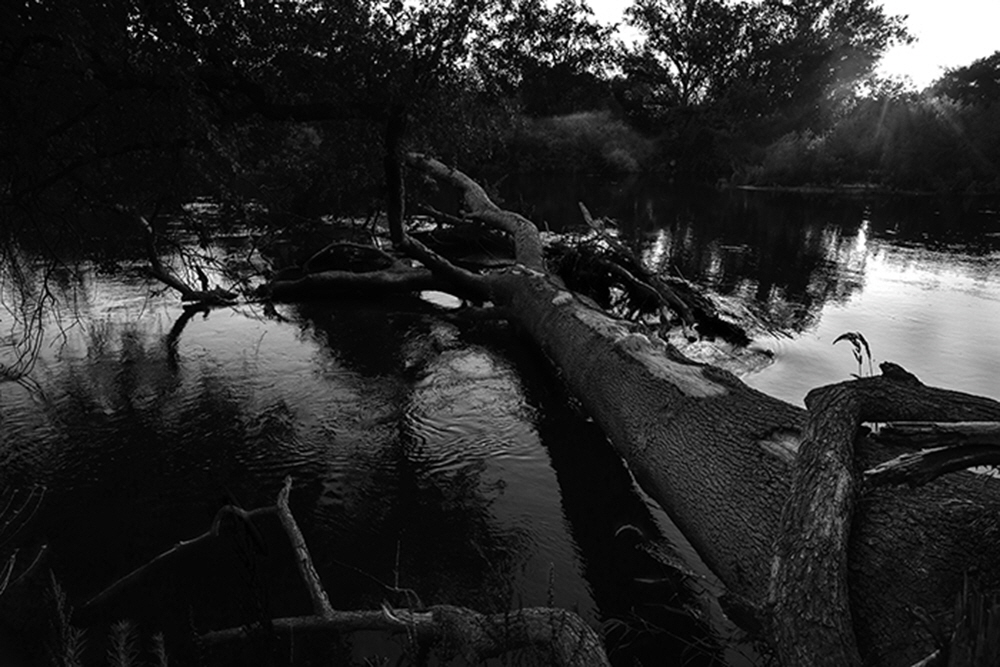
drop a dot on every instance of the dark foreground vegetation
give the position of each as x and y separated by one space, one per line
281 112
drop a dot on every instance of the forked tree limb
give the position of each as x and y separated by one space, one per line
443 217
812 611
473 635
479 206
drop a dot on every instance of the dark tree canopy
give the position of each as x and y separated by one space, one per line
143 104
760 58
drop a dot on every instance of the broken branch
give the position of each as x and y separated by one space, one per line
303 559
924 466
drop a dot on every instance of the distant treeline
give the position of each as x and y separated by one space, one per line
877 133
944 139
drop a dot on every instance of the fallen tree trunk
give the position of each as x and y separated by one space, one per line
719 457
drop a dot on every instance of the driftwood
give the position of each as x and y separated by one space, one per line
560 635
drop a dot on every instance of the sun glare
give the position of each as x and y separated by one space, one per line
948 35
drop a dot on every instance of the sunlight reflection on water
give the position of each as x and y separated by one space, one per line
935 313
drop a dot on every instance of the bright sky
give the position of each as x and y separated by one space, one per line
950 33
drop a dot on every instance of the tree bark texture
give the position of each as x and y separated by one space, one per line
720 458
809 576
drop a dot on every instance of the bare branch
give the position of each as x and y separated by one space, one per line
475 636
924 433
927 465
179 548
303 559
465 280
394 279
157 270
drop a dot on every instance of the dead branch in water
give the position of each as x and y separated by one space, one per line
562 635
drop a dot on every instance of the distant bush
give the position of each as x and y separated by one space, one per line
908 142
585 142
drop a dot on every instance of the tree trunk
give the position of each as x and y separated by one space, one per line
395 128
718 456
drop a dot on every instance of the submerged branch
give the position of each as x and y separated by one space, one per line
467 281
396 279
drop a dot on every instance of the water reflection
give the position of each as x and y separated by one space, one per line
417 459
788 255
916 275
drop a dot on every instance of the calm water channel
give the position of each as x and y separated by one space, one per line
440 455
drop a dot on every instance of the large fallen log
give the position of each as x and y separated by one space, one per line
769 494
720 458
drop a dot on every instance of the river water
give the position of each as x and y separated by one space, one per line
437 454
